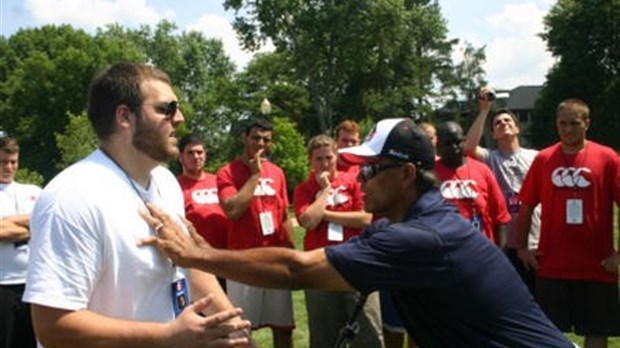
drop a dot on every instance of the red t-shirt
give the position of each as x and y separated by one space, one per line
351 169
202 208
269 197
474 190
574 251
346 195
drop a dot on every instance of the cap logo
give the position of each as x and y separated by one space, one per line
398 154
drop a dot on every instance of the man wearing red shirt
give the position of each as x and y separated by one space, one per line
347 134
470 185
330 208
252 191
576 181
202 205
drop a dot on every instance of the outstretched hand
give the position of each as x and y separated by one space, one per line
171 239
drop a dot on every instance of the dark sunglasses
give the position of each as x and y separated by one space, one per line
168 109
369 171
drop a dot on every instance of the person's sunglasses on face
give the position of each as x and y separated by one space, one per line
368 171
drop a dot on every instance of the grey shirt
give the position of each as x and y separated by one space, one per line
510 169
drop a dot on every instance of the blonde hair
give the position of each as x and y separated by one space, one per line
320 141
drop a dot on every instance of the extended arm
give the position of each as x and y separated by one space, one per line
15 228
265 267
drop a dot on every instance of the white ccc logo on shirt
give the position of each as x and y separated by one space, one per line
264 187
459 189
205 196
335 197
570 177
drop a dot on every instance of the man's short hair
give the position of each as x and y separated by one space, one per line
116 85
189 139
575 105
257 122
503 111
9 145
347 125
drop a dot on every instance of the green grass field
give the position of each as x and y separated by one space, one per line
300 336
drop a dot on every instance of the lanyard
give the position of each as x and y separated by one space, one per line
129 179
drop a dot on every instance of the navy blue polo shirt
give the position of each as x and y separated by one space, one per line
450 284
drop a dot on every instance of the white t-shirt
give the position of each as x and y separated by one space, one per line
84 252
15 199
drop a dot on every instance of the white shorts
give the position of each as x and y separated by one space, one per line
262 307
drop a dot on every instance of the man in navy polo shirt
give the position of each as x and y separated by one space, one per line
451 285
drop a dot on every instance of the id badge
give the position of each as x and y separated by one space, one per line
266 223
513 203
180 295
574 211
476 221
335 232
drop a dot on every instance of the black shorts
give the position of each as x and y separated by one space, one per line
15 323
587 308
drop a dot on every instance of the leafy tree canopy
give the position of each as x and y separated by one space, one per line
584 36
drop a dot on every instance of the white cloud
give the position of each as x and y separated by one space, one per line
218 27
90 14
516 54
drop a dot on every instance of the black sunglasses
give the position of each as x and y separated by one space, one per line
369 171
168 109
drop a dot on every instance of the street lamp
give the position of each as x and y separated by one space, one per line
265 107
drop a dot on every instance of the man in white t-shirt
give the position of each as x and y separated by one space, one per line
17 201
89 282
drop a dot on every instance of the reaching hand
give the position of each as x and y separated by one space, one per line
172 240
219 330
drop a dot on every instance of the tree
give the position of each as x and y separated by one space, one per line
584 36
289 152
46 72
77 140
356 58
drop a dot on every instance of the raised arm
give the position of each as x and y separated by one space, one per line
475 132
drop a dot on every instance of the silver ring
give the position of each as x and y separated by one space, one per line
158 227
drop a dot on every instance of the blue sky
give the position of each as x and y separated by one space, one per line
508 28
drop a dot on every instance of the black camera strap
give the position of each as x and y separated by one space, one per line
351 328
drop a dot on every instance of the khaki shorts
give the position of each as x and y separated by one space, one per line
262 307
